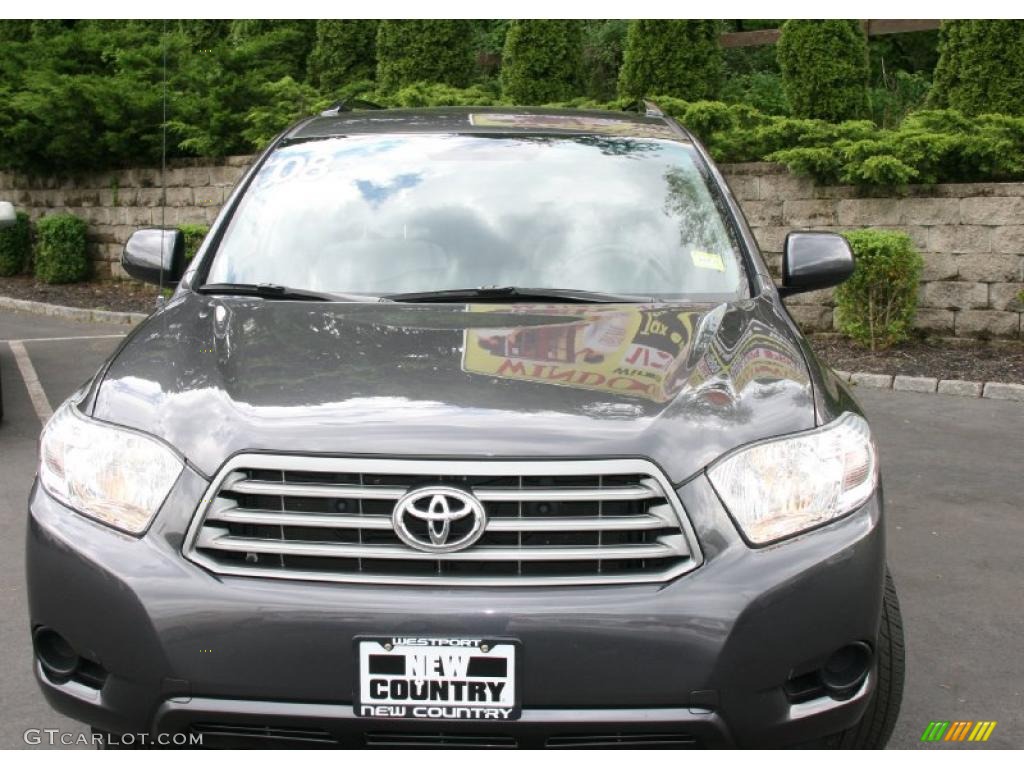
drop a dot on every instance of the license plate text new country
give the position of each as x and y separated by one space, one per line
436 678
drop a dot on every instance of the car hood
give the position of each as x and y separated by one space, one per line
679 384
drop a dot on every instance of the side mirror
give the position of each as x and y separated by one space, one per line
813 260
8 217
151 250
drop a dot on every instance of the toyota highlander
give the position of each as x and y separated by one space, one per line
476 427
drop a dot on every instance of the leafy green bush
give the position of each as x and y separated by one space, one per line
61 255
604 41
434 95
876 306
761 90
344 53
824 68
678 57
928 147
424 50
15 246
542 61
898 96
981 66
283 102
194 235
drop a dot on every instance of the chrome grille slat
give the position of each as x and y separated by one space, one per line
383 522
393 493
210 539
548 522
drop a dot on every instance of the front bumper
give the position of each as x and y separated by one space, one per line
701 660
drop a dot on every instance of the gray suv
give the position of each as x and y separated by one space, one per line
469 427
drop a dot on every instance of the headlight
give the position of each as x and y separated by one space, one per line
780 487
113 475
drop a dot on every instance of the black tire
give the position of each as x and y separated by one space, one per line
875 728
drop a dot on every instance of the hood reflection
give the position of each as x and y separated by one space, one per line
632 351
679 384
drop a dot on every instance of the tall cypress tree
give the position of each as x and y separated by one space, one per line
981 67
542 61
424 50
824 66
674 57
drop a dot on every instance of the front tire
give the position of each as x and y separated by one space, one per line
876 726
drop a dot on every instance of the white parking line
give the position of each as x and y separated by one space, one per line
70 338
35 389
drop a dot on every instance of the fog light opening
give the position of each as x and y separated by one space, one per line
846 669
58 658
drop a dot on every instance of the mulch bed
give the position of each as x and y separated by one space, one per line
969 360
113 295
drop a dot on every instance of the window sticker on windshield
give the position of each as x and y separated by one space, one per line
706 260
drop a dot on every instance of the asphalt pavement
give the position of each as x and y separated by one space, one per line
953 472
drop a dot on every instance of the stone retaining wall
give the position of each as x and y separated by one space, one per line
971 235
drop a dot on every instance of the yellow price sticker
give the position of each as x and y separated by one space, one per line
706 260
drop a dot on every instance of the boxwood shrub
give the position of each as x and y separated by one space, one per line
876 306
15 247
61 255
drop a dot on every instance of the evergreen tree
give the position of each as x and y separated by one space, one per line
675 57
824 66
542 61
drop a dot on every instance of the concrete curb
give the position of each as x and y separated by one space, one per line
77 314
991 390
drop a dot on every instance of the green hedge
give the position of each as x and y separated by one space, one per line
928 147
981 67
424 50
15 246
345 52
824 66
61 255
876 306
678 57
194 236
542 61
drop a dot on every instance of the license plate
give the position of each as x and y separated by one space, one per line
437 678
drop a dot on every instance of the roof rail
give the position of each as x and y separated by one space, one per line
347 105
651 109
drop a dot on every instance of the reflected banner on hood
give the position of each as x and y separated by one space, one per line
627 350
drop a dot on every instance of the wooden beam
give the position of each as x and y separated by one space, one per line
875 27
749 39
872 28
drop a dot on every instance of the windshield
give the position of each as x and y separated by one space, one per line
388 214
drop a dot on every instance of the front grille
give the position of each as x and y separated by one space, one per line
439 740
623 741
550 522
234 736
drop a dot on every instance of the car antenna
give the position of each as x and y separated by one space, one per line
160 300
347 105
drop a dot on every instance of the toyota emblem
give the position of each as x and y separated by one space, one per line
439 519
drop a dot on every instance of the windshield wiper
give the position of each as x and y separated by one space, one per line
272 291
511 292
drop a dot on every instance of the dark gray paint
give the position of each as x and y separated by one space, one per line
155 256
813 260
214 376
